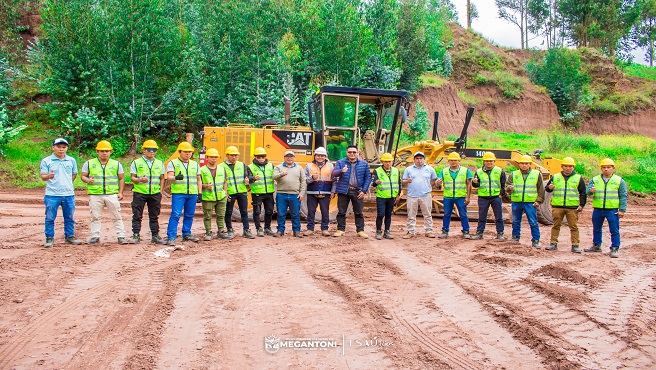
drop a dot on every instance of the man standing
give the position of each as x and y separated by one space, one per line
147 174
318 174
237 191
59 171
609 199
568 201
185 193
526 190
388 189
457 190
214 193
260 177
105 183
352 186
290 189
491 183
420 179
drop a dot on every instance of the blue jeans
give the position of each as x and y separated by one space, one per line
484 205
181 204
68 208
518 208
283 202
598 216
448 210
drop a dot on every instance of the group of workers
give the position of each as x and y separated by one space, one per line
217 186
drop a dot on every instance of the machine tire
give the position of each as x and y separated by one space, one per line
544 211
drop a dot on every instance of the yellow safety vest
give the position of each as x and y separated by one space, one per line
105 179
188 185
607 194
565 193
525 191
236 179
489 186
265 184
455 188
389 185
217 192
153 173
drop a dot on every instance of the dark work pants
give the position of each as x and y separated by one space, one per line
384 208
324 205
484 205
257 201
154 202
242 201
342 205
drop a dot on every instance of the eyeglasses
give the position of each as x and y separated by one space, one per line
151 150
260 156
352 152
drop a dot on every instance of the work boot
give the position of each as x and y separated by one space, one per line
594 248
278 234
308 233
189 238
379 234
267 231
444 234
576 249
247 234
552 247
156 239
465 235
231 233
338 233
260 232
388 235
136 238
408 236
535 244
93 241
208 236
515 239
614 252
122 241
430 235
363 235
50 242
500 236
477 236
325 233
170 241
73 240
298 234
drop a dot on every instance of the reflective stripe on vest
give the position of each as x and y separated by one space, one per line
265 183
217 192
389 185
153 173
489 186
105 178
455 188
188 185
565 193
525 191
324 181
607 194
235 180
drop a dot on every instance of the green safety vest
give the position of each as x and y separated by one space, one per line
455 188
188 185
607 194
217 192
389 185
105 179
565 193
525 191
265 183
236 179
489 186
153 173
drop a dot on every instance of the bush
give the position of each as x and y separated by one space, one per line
417 127
510 85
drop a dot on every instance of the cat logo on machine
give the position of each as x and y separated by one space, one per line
293 139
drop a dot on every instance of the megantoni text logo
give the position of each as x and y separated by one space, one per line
272 344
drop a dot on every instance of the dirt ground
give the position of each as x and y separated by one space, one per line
401 304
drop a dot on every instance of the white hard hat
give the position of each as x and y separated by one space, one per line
320 150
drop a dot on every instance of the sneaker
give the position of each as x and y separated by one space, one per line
231 233
514 239
189 238
170 241
465 235
308 233
614 252
363 235
408 236
594 248
338 233
388 235
268 231
93 241
208 236
224 235
444 234
379 234
535 244
260 232
576 249
73 240
278 234
50 242
122 241
551 247
298 234
325 233
136 238
429 235
156 239
477 236
500 236
248 234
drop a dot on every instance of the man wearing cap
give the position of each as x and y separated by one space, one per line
214 194
526 190
351 187
185 193
105 183
419 179
260 178
237 191
59 171
387 182
147 174
456 181
568 201
609 200
290 190
490 180
318 174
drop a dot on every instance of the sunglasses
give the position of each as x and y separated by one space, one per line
352 152
260 156
151 150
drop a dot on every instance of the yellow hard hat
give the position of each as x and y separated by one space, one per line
607 162
489 156
104 145
386 157
454 156
211 152
567 161
149 144
232 150
525 159
185 147
259 151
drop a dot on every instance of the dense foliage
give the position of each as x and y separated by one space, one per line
8 127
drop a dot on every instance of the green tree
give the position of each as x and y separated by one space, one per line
8 129
413 44
644 32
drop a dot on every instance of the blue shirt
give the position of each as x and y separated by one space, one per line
421 178
62 184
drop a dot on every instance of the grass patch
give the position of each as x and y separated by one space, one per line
621 102
483 57
469 99
432 80
639 70
510 85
